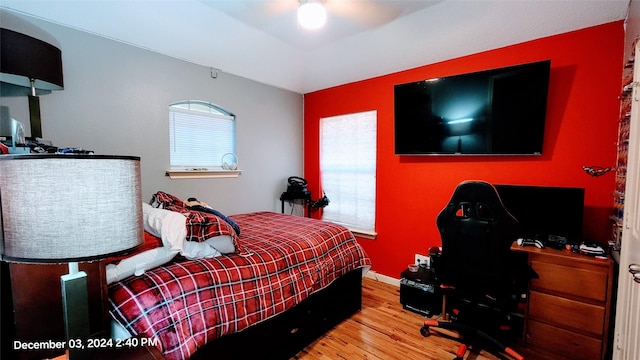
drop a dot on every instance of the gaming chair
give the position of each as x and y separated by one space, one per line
474 268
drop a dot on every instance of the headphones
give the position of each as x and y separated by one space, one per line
229 165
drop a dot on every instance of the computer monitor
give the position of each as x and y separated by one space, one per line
543 211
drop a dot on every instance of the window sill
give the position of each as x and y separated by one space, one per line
366 234
202 174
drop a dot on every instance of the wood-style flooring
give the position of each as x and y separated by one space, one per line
383 330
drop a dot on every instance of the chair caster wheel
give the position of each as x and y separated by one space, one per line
425 331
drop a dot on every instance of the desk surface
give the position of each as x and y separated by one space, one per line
561 254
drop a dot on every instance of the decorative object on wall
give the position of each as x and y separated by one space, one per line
29 65
69 208
311 14
597 170
624 126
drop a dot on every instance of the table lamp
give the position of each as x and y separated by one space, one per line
30 64
66 209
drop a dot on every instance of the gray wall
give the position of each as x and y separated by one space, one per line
115 101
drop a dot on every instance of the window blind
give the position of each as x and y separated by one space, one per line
348 168
199 139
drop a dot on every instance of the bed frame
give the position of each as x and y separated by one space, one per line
286 334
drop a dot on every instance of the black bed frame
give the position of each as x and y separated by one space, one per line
285 335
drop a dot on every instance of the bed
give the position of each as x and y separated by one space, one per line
285 281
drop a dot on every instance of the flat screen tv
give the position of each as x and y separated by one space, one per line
544 211
493 112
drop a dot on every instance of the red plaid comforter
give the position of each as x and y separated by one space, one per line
189 303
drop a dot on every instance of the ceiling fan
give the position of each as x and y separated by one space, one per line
312 15
365 13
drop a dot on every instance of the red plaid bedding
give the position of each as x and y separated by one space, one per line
189 303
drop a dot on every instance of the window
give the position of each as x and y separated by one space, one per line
200 134
348 169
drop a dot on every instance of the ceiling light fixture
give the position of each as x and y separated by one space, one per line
311 15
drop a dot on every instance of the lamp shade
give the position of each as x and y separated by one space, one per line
24 58
63 208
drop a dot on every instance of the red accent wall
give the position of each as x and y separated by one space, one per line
581 129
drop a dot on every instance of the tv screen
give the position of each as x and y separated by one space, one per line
492 112
544 211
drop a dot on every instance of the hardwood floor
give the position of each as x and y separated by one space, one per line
383 330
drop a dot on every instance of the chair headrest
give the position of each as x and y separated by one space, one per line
477 200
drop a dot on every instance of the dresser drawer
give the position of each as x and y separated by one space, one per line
566 313
585 282
562 343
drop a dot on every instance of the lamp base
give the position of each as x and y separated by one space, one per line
34 117
75 306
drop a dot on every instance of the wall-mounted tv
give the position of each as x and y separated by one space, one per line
492 112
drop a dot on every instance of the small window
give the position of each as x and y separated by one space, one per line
348 170
200 134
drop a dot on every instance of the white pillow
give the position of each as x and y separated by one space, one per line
209 248
139 263
170 226
222 243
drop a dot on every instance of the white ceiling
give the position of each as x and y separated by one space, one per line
260 39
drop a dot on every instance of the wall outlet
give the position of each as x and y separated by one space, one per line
422 260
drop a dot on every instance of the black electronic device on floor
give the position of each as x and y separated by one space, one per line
419 292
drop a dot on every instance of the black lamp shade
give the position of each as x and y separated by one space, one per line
23 58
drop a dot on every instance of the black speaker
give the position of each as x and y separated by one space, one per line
420 293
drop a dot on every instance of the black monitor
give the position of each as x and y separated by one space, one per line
543 211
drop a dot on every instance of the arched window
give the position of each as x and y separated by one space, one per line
200 134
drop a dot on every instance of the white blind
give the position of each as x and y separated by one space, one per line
199 139
348 168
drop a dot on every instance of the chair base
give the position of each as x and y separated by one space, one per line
467 335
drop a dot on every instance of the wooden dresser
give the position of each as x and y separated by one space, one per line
569 305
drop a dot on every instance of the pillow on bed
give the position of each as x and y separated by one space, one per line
200 225
150 255
171 227
139 263
150 242
209 248
153 254
165 224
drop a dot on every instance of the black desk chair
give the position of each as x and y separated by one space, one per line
474 269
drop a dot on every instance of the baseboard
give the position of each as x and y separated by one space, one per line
382 278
